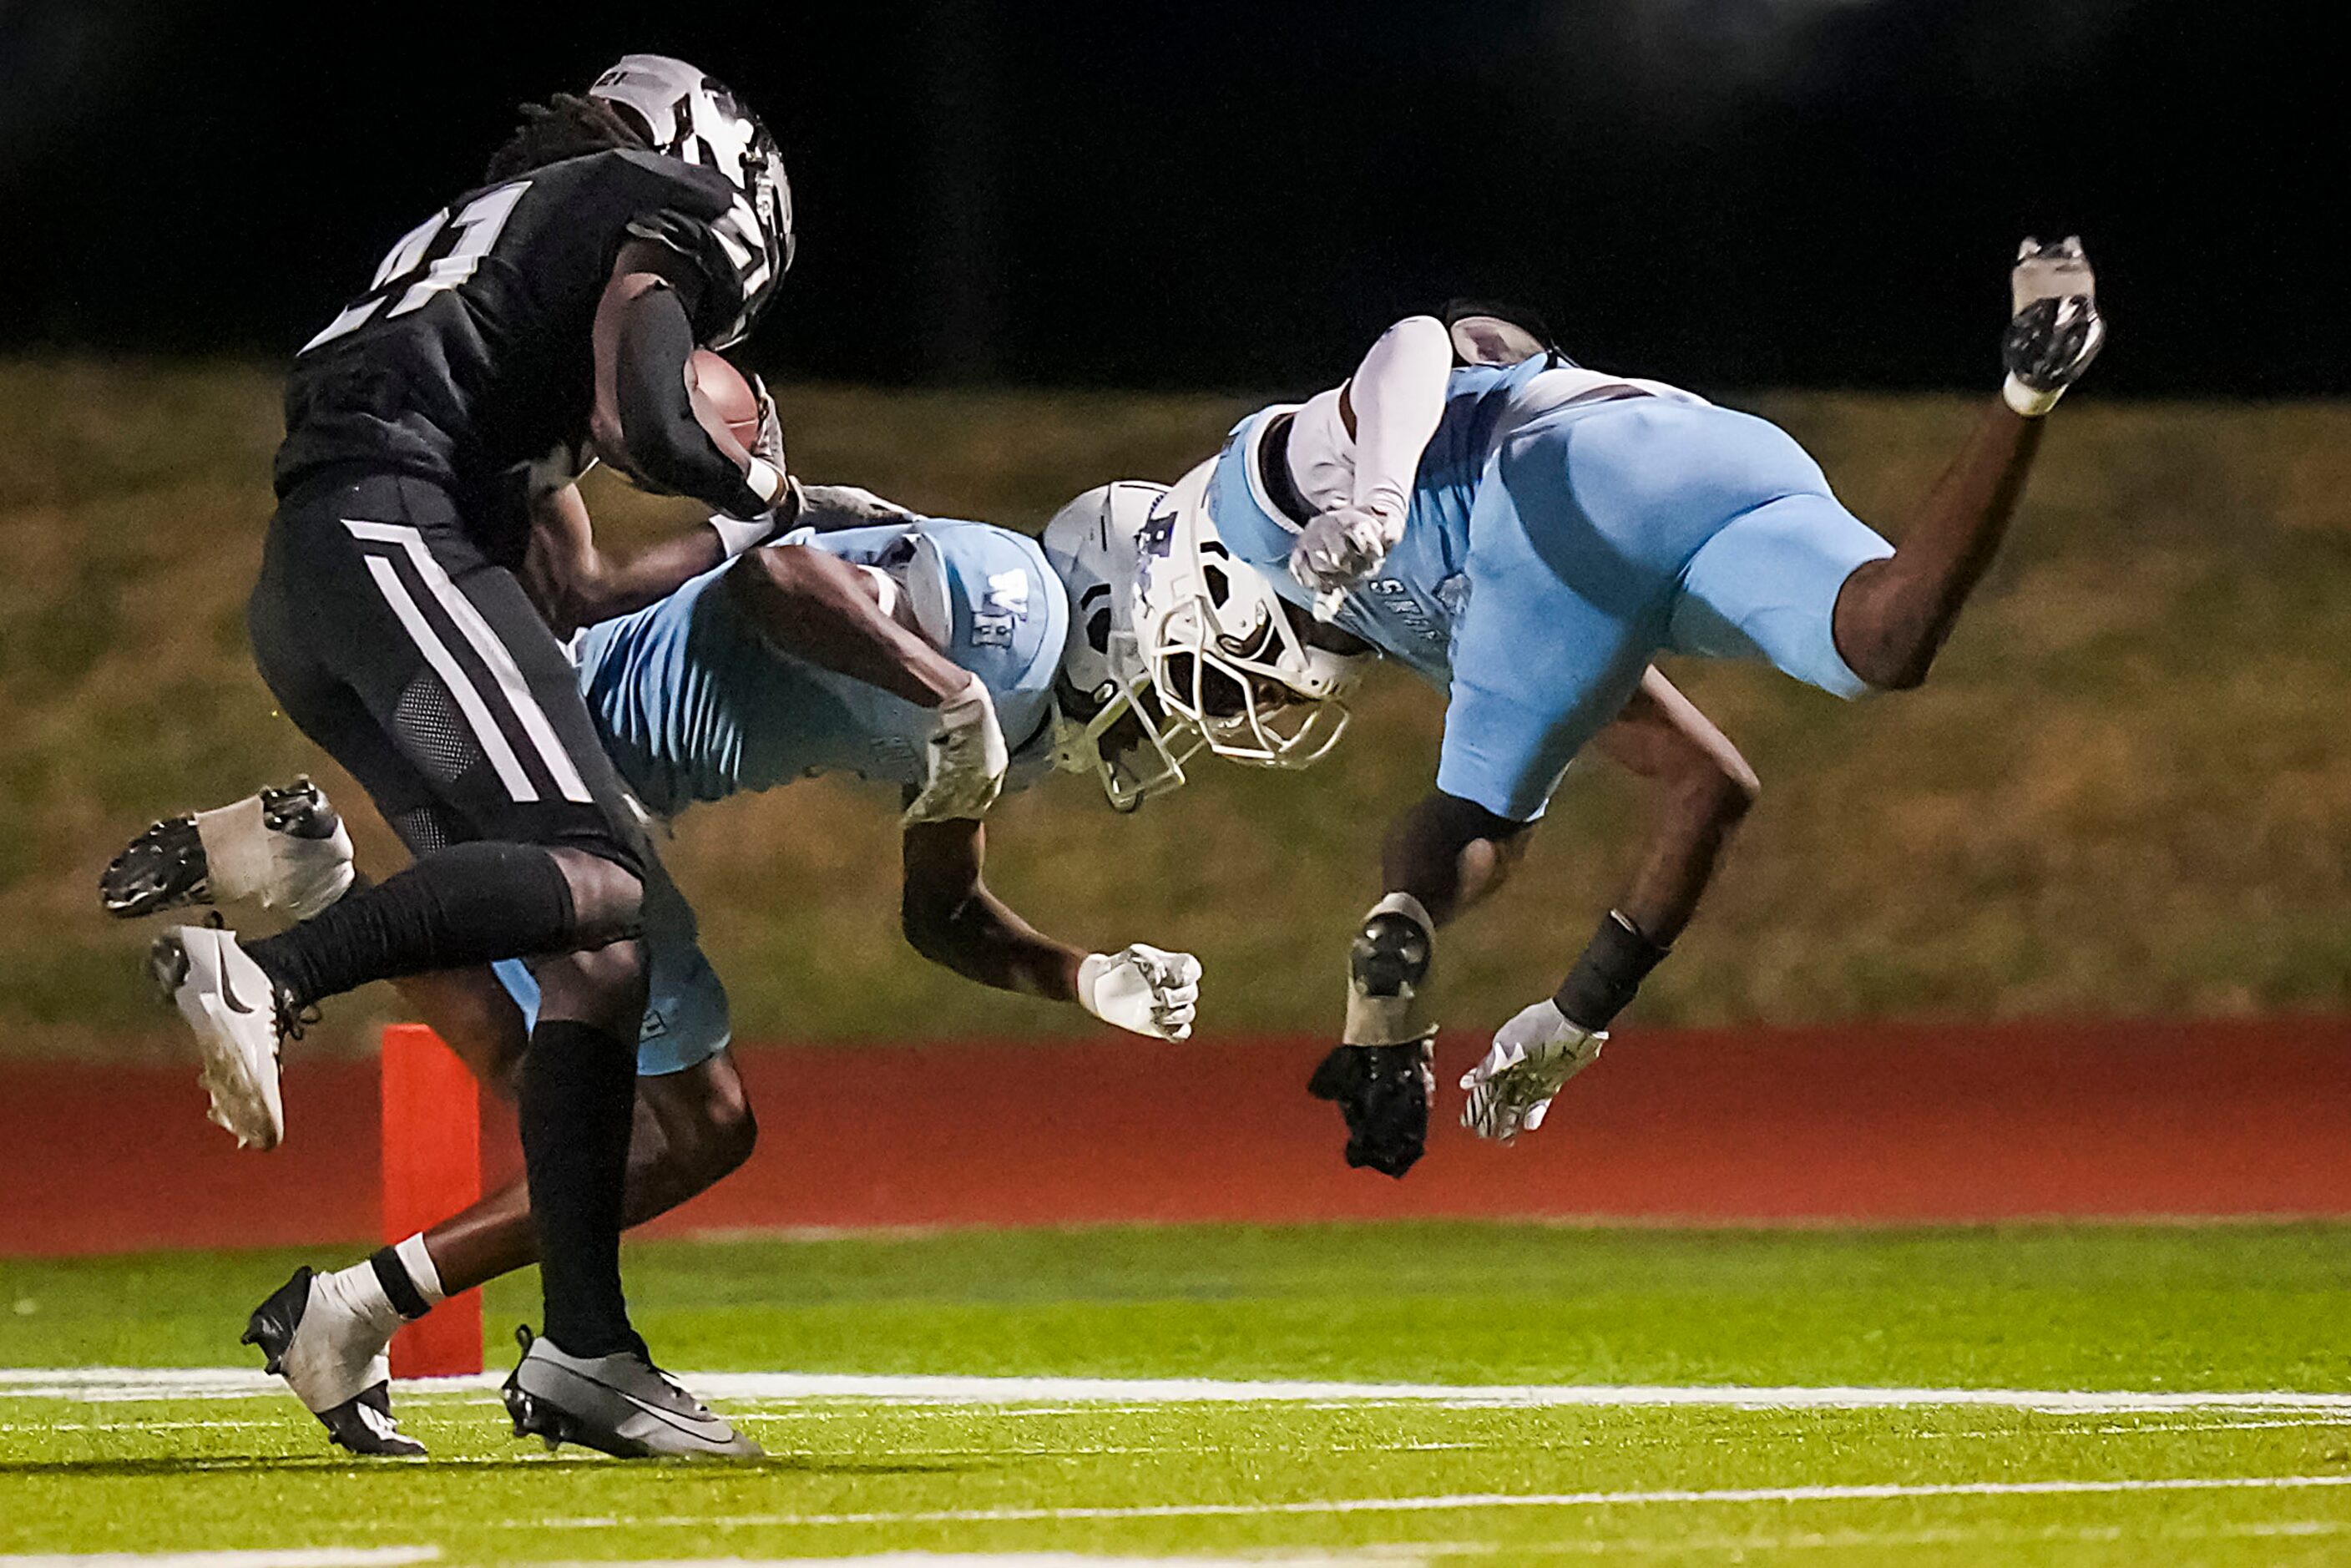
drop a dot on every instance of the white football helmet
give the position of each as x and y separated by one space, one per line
1223 651
1106 721
696 118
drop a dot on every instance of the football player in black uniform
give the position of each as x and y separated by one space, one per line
544 316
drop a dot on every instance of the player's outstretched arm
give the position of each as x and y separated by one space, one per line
575 583
1702 788
951 919
1448 854
1893 616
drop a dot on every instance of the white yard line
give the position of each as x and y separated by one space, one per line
100 1384
1379 1558
1679 1545
298 1557
1451 1502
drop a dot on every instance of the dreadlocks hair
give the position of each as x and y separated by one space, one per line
565 126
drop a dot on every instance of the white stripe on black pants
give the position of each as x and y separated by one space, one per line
373 609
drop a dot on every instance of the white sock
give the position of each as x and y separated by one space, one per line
422 1274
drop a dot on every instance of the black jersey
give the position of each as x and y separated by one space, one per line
468 360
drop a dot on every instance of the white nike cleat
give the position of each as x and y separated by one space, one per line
336 1358
622 1405
232 1008
284 849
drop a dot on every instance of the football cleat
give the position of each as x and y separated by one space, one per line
2054 329
1383 1093
621 1405
334 1360
235 1011
285 849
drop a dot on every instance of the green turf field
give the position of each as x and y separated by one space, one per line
1483 1390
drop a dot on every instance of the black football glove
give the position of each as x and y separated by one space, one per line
1383 1091
2055 330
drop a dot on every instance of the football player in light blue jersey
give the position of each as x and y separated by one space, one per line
1527 535
696 702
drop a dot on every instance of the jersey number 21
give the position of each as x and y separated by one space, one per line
405 272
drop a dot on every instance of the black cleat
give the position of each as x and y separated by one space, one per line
271 1326
1383 1093
299 810
284 847
162 868
362 1422
621 1405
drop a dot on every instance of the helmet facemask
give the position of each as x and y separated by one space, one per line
1119 734
1224 651
1107 721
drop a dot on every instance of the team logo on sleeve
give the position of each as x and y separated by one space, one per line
1005 605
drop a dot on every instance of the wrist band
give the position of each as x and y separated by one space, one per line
765 480
2029 400
1609 971
736 535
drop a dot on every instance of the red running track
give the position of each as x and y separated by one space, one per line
1894 1123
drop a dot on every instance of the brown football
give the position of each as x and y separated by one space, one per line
723 398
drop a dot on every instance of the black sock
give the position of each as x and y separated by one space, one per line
577 1101
458 907
393 1275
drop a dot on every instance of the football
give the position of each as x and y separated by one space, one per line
723 398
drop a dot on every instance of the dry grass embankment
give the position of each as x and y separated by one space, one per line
2128 790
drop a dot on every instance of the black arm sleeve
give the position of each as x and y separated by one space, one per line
663 441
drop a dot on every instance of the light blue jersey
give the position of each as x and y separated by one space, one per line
1551 551
694 703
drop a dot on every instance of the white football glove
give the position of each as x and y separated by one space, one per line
1143 989
1534 1056
1339 549
966 758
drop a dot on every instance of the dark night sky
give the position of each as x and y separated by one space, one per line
1726 193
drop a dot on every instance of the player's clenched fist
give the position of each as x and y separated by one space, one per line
2054 329
1533 1057
1339 549
1143 989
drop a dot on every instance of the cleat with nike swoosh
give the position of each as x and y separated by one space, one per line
621 1405
233 1010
